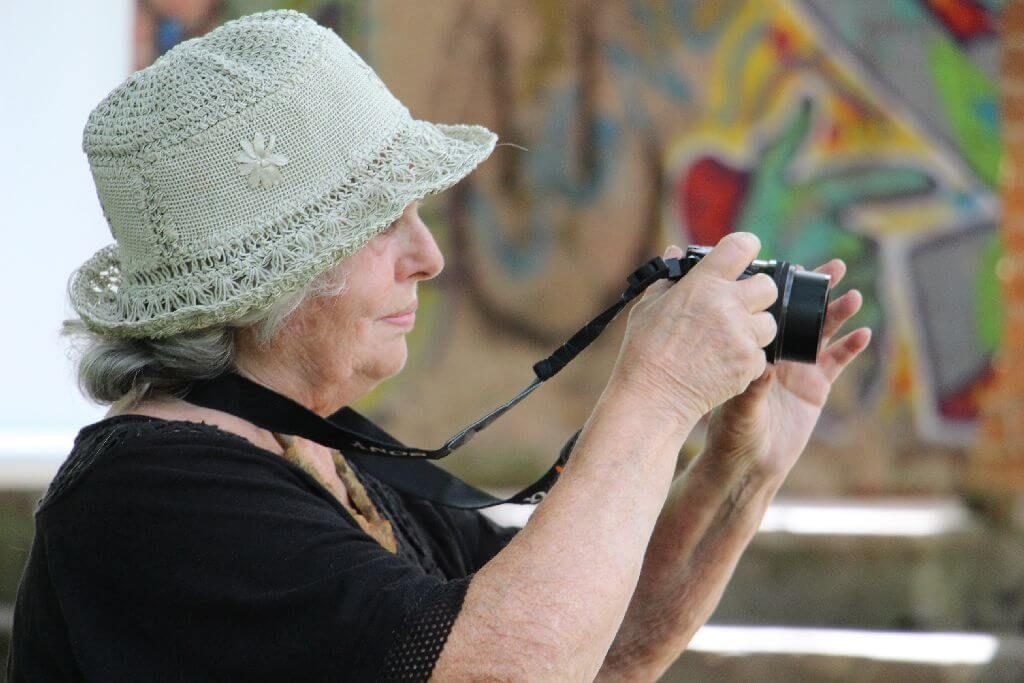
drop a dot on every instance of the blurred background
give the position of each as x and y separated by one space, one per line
889 133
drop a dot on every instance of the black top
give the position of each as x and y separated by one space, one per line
174 551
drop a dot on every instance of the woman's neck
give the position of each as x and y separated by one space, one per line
289 370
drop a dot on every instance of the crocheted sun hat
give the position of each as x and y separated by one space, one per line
244 163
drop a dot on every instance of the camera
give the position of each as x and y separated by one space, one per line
799 310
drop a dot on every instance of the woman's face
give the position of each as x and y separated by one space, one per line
345 344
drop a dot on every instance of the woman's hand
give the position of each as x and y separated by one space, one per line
692 345
769 424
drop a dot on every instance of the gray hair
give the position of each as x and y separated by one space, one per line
127 371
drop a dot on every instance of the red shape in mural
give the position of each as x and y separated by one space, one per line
963 405
782 43
966 20
709 196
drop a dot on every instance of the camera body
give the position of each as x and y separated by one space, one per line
799 309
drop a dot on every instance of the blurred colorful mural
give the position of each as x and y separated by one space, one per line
866 130
869 131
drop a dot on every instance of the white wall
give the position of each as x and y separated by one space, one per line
58 59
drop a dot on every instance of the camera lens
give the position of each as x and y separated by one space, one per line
799 312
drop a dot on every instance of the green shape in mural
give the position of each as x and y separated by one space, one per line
804 220
972 107
989 312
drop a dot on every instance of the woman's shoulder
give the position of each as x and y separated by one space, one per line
178 411
143 448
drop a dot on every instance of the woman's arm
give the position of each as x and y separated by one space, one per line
712 513
754 440
548 606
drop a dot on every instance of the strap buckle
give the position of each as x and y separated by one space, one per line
647 274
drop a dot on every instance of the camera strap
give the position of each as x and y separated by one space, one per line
384 457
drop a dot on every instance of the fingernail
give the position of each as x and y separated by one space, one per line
673 252
750 238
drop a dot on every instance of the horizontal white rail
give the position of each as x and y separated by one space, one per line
840 517
895 646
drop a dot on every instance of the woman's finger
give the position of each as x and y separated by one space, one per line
758 292
835 269
731 255
839 311
765 328
755 391
837 356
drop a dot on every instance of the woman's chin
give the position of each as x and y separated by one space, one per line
397 359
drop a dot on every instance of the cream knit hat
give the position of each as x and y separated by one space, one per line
244 163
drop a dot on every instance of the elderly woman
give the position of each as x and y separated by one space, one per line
262 185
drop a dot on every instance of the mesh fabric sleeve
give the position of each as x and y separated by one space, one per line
423 633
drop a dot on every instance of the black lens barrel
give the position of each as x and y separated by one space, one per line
803 319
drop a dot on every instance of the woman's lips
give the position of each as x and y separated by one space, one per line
405 319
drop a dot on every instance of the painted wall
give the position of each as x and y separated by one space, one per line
867 130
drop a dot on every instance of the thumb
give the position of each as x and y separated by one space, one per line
755 391
760 386
661 286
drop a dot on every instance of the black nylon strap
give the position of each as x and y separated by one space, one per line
642 278
363 442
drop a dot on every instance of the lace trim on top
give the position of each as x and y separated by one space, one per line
97 439
109 434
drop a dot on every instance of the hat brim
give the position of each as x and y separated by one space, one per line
422 159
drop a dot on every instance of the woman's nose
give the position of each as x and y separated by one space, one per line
423 260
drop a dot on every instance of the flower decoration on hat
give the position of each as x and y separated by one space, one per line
259 161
